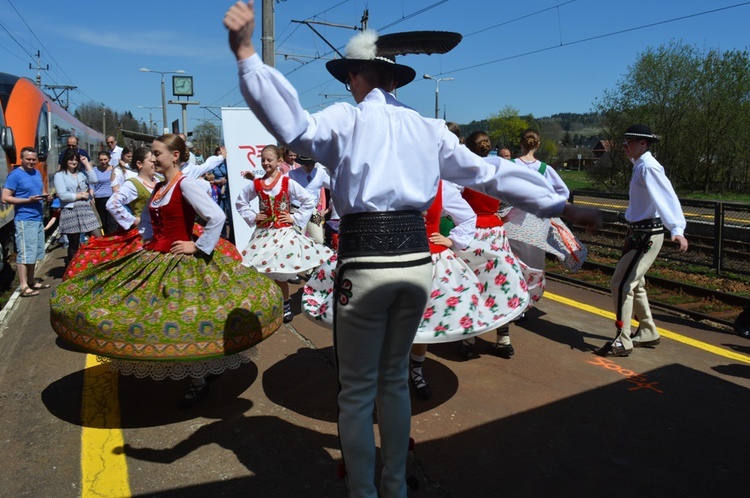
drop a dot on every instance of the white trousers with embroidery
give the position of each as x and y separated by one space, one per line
379 304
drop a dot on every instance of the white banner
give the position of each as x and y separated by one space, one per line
244 138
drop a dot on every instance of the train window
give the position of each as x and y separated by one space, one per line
42 134
6 138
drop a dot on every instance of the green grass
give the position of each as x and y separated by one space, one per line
576 179
580 180
715 197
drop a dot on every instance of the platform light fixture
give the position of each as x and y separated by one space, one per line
163 92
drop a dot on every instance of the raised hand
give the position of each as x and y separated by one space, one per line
240 21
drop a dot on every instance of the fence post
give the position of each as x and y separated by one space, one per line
718 237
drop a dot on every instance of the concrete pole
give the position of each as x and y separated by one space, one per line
268 36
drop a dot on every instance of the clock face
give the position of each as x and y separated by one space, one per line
182 86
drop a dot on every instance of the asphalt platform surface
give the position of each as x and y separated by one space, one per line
555 420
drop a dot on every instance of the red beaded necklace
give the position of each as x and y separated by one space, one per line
273 183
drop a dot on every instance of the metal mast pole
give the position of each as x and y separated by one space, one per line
268 35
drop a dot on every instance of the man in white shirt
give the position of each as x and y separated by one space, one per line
313 179
653 205
386 162
115 151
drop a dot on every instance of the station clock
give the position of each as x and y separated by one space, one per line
182 86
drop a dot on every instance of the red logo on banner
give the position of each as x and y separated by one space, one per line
253 151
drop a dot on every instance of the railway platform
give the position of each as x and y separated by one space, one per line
555 420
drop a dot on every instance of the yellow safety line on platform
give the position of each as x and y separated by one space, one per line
104 471
662 332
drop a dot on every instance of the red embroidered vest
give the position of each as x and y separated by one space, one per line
485 207
432 219
273 206
172 221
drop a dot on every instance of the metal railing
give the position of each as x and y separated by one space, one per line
718 232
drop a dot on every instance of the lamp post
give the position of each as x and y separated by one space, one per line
163 92
150 120
437 90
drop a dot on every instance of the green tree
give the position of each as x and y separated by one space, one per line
697 101
206 136
505 128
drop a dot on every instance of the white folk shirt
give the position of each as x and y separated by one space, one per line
652 195
118 202
455 206
549 173
195 171
383 155
319 179
115 155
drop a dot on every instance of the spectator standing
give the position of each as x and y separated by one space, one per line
221 179
211 179
504 153
115 151
290 161
195 171
24 189
192 157
103 191
122 170
72 143
73 188
653 205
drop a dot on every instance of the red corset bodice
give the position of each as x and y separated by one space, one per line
172 221
485 207
432 218
273 205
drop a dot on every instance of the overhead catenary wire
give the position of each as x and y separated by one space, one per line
597 37
47 52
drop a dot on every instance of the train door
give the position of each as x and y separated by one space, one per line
42 145
7 147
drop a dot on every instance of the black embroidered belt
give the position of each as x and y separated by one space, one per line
649 224
382 233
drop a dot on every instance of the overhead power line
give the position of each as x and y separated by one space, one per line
583 40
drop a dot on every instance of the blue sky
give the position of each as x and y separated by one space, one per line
538 56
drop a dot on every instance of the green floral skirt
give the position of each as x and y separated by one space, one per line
159 307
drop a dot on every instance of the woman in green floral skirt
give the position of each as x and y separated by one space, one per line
176 308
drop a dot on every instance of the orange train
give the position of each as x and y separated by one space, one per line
30 118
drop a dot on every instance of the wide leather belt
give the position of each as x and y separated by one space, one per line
382 233
649 224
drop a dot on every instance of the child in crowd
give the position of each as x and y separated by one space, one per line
215 190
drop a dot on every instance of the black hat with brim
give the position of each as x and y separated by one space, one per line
306 160
339 69
387 47
641 131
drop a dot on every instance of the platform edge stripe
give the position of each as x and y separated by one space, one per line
663 332
104 470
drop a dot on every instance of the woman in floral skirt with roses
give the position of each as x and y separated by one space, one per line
463 302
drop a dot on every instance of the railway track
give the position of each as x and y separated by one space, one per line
698 303
734 249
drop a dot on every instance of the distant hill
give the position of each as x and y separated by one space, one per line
569 127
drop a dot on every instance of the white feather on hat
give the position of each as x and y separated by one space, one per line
382 50
362 46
